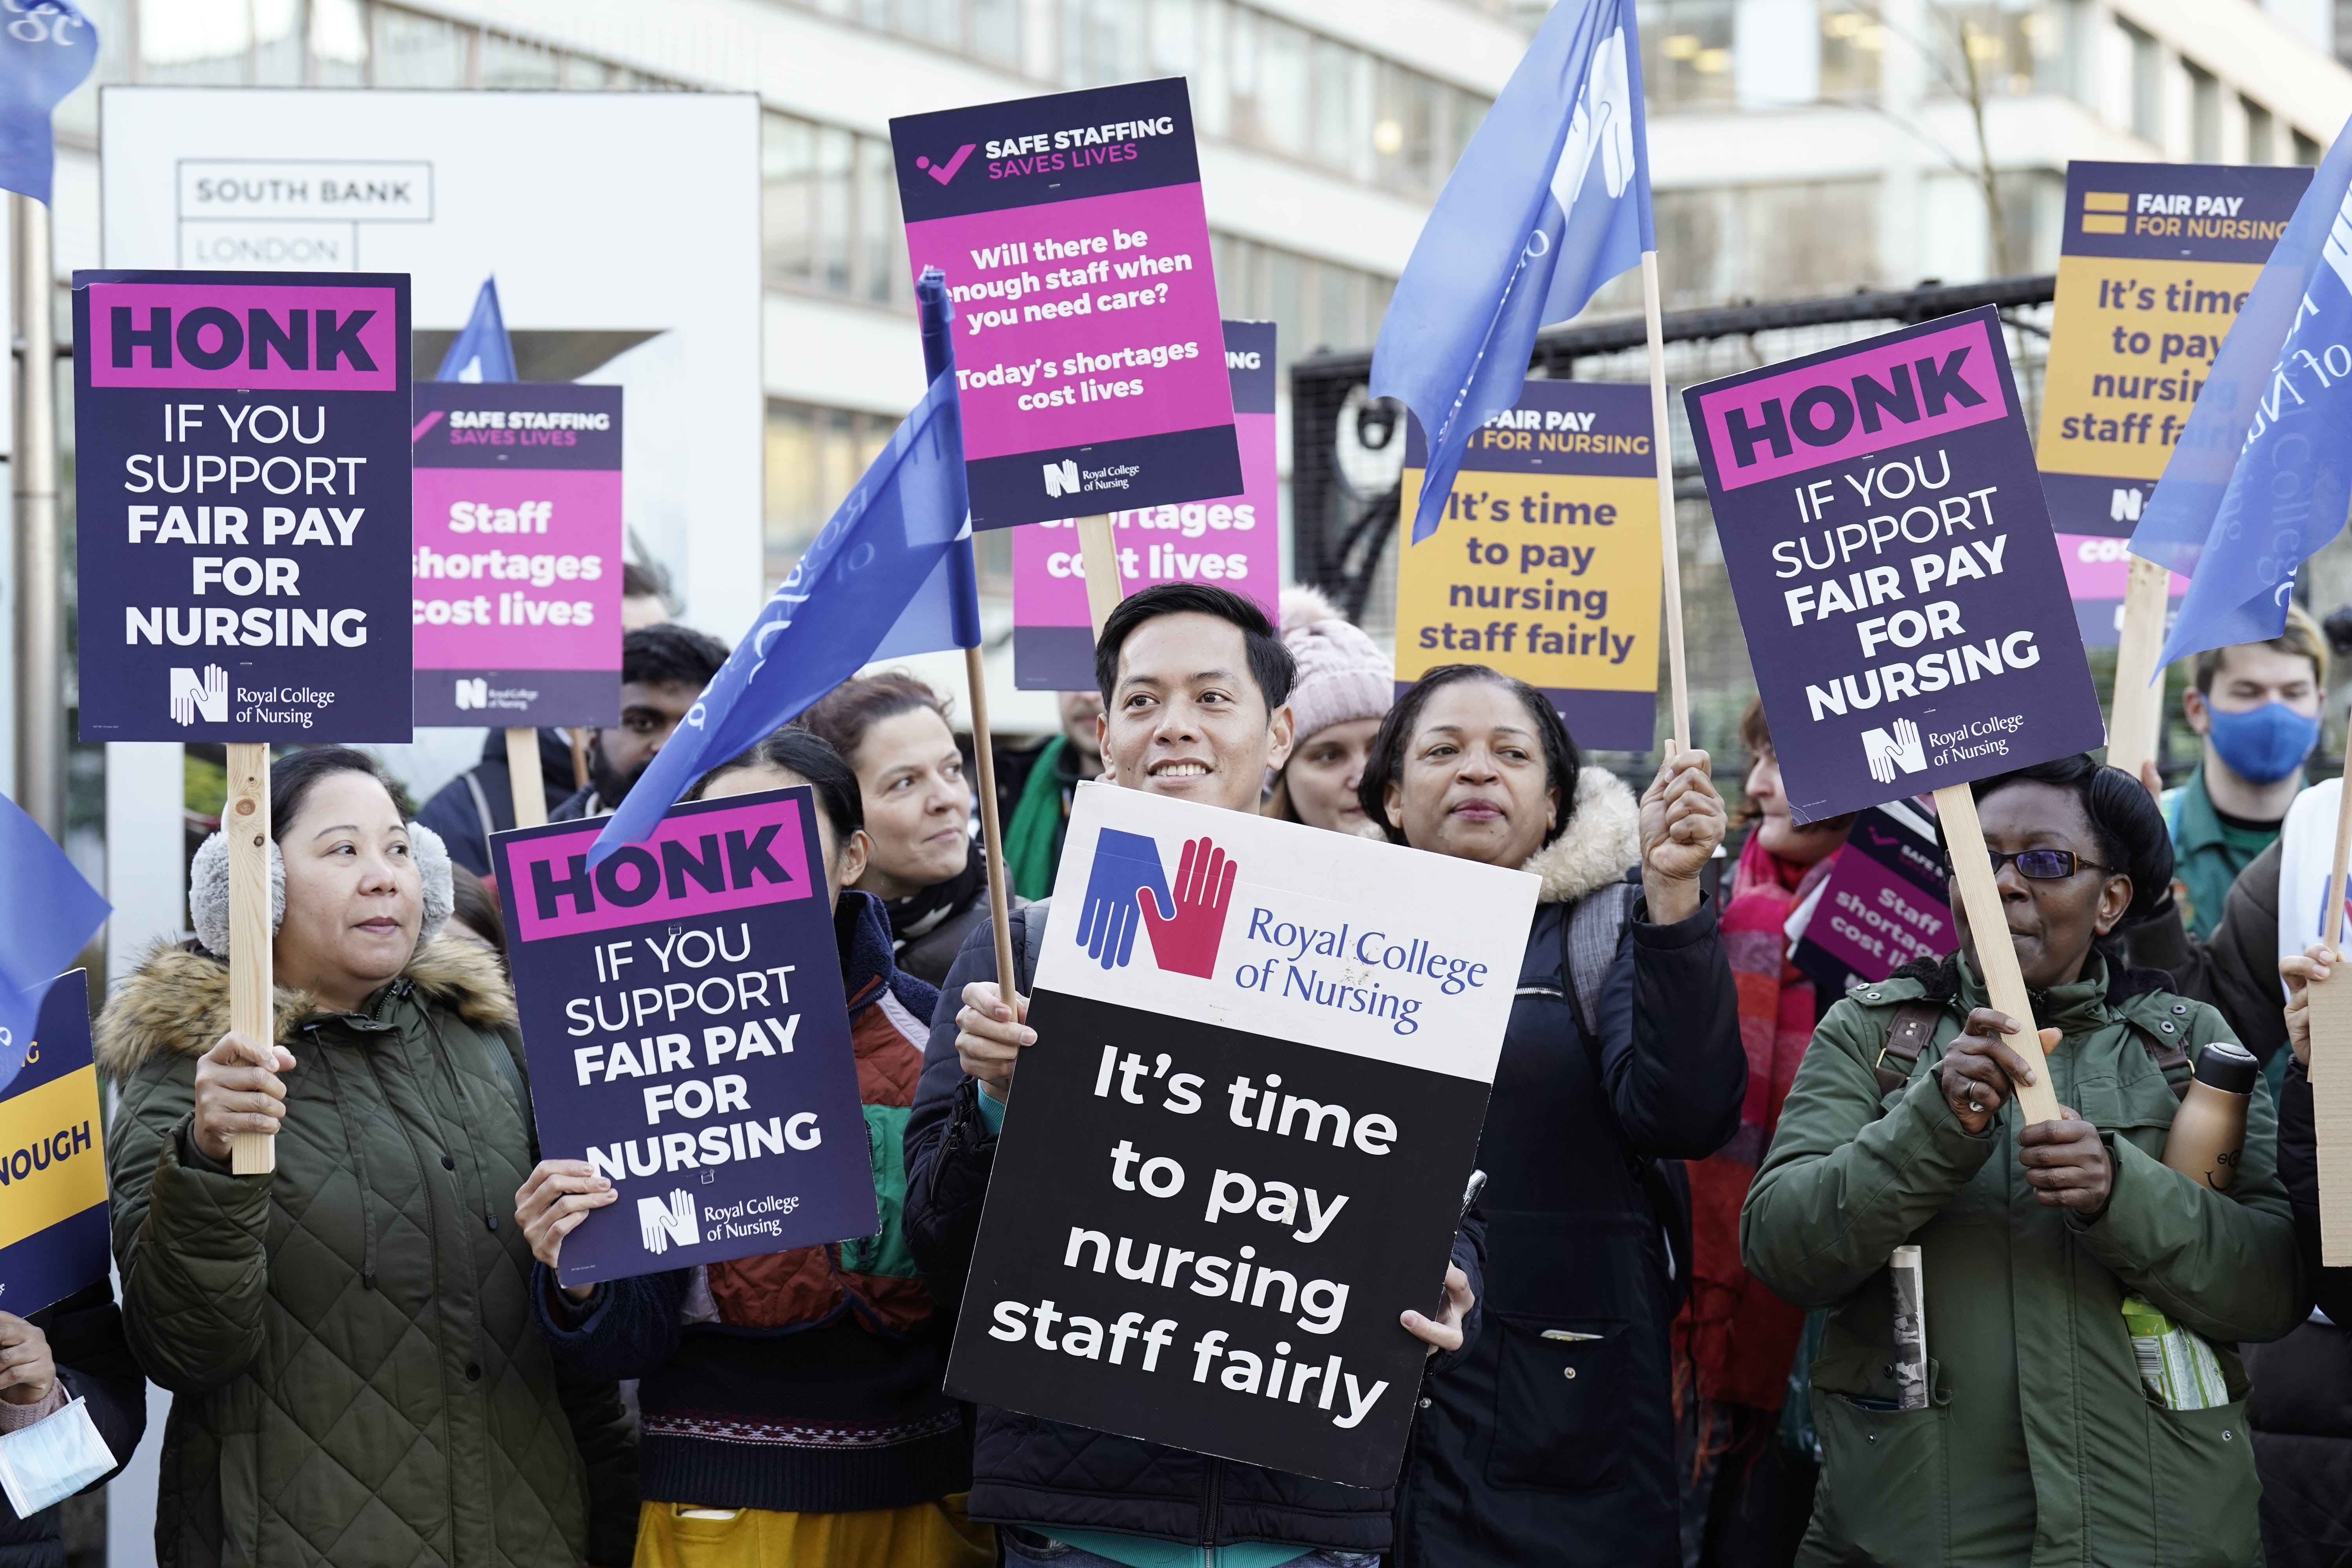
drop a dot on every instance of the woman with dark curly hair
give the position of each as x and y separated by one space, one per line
2051 1253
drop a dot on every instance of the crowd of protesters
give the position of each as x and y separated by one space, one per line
1668 1337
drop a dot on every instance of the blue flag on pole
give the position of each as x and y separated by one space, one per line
52 911
2263 474
45 50
481 351
1550 201
877 584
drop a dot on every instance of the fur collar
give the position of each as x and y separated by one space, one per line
1602 842
177 1002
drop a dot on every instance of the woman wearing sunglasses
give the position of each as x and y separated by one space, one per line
2041 1437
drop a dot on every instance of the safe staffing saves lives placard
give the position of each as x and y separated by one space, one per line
1238 1150
1076 250
682 1012
1887 545
242 487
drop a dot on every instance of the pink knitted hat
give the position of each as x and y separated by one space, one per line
1341 674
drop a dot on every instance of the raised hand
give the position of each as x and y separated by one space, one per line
1185 940
1682 820
1125 865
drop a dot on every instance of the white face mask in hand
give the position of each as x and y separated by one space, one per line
53 1458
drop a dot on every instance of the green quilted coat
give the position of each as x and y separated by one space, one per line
349 1340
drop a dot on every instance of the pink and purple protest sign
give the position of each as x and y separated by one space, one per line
1884 904
1077 249
243 496
517 565
1233 539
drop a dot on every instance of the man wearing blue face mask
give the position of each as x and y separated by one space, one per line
2257 705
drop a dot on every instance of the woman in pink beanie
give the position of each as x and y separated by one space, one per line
1344 685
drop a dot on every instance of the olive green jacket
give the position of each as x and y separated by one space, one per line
2038 1444
350 1341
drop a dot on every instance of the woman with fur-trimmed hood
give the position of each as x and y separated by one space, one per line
349 1338
1552 1442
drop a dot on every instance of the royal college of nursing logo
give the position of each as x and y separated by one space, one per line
473 692
1061 479
662 1221
194 698
1127 887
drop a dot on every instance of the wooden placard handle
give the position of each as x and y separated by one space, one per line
992 838
523 778
1964 841
2136 716
244 822
1670 558
2331 1052
1099 553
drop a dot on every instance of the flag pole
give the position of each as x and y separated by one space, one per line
245 821
1669 545
39 783
2136 716
523 777
991 836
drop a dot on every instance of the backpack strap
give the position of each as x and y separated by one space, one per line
1912 1032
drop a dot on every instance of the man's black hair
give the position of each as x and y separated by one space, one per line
671 655
1563 763
1271 665
802 751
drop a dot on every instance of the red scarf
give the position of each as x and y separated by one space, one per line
1741 1337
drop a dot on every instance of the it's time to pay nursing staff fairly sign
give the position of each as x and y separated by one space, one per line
242 485
1087 338
1891 554
1238 1150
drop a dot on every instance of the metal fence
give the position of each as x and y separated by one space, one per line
1348 453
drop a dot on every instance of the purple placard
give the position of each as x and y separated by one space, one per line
1853 402
243 516
1077 249
695 1051
517 598
1884 904
717 859
1906 609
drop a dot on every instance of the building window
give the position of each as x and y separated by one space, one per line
829 213
2147 84
1314 305
2204 117
1854 41
813 456
2261 133
1686 53
2306 151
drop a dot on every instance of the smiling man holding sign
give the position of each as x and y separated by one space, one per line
1893 557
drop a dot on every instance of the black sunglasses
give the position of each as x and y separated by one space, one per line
2044 865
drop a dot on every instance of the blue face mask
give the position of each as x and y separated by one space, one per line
2263 745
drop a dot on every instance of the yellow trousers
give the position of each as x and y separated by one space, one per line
928 1536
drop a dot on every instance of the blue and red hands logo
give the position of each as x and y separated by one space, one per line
1185 929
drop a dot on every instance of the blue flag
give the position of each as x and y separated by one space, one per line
51 912
2263 471
870 586
45 50
481 351
1550 201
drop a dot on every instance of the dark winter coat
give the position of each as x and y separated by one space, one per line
1043 1473
85 1335
456 810
2236 968
350 1340
2301 1401
1553 1442
806 1381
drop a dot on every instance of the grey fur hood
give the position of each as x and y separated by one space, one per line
1603 840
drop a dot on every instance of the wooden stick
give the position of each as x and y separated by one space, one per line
991 839
523 780
2136 718
1099 553
2004 984
579 756
244 820
1662 442
2331 1051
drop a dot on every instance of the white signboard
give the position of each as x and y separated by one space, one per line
623 229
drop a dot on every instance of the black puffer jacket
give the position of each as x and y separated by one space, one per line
93 1362
1553 1443
1045 1473
2300 1407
